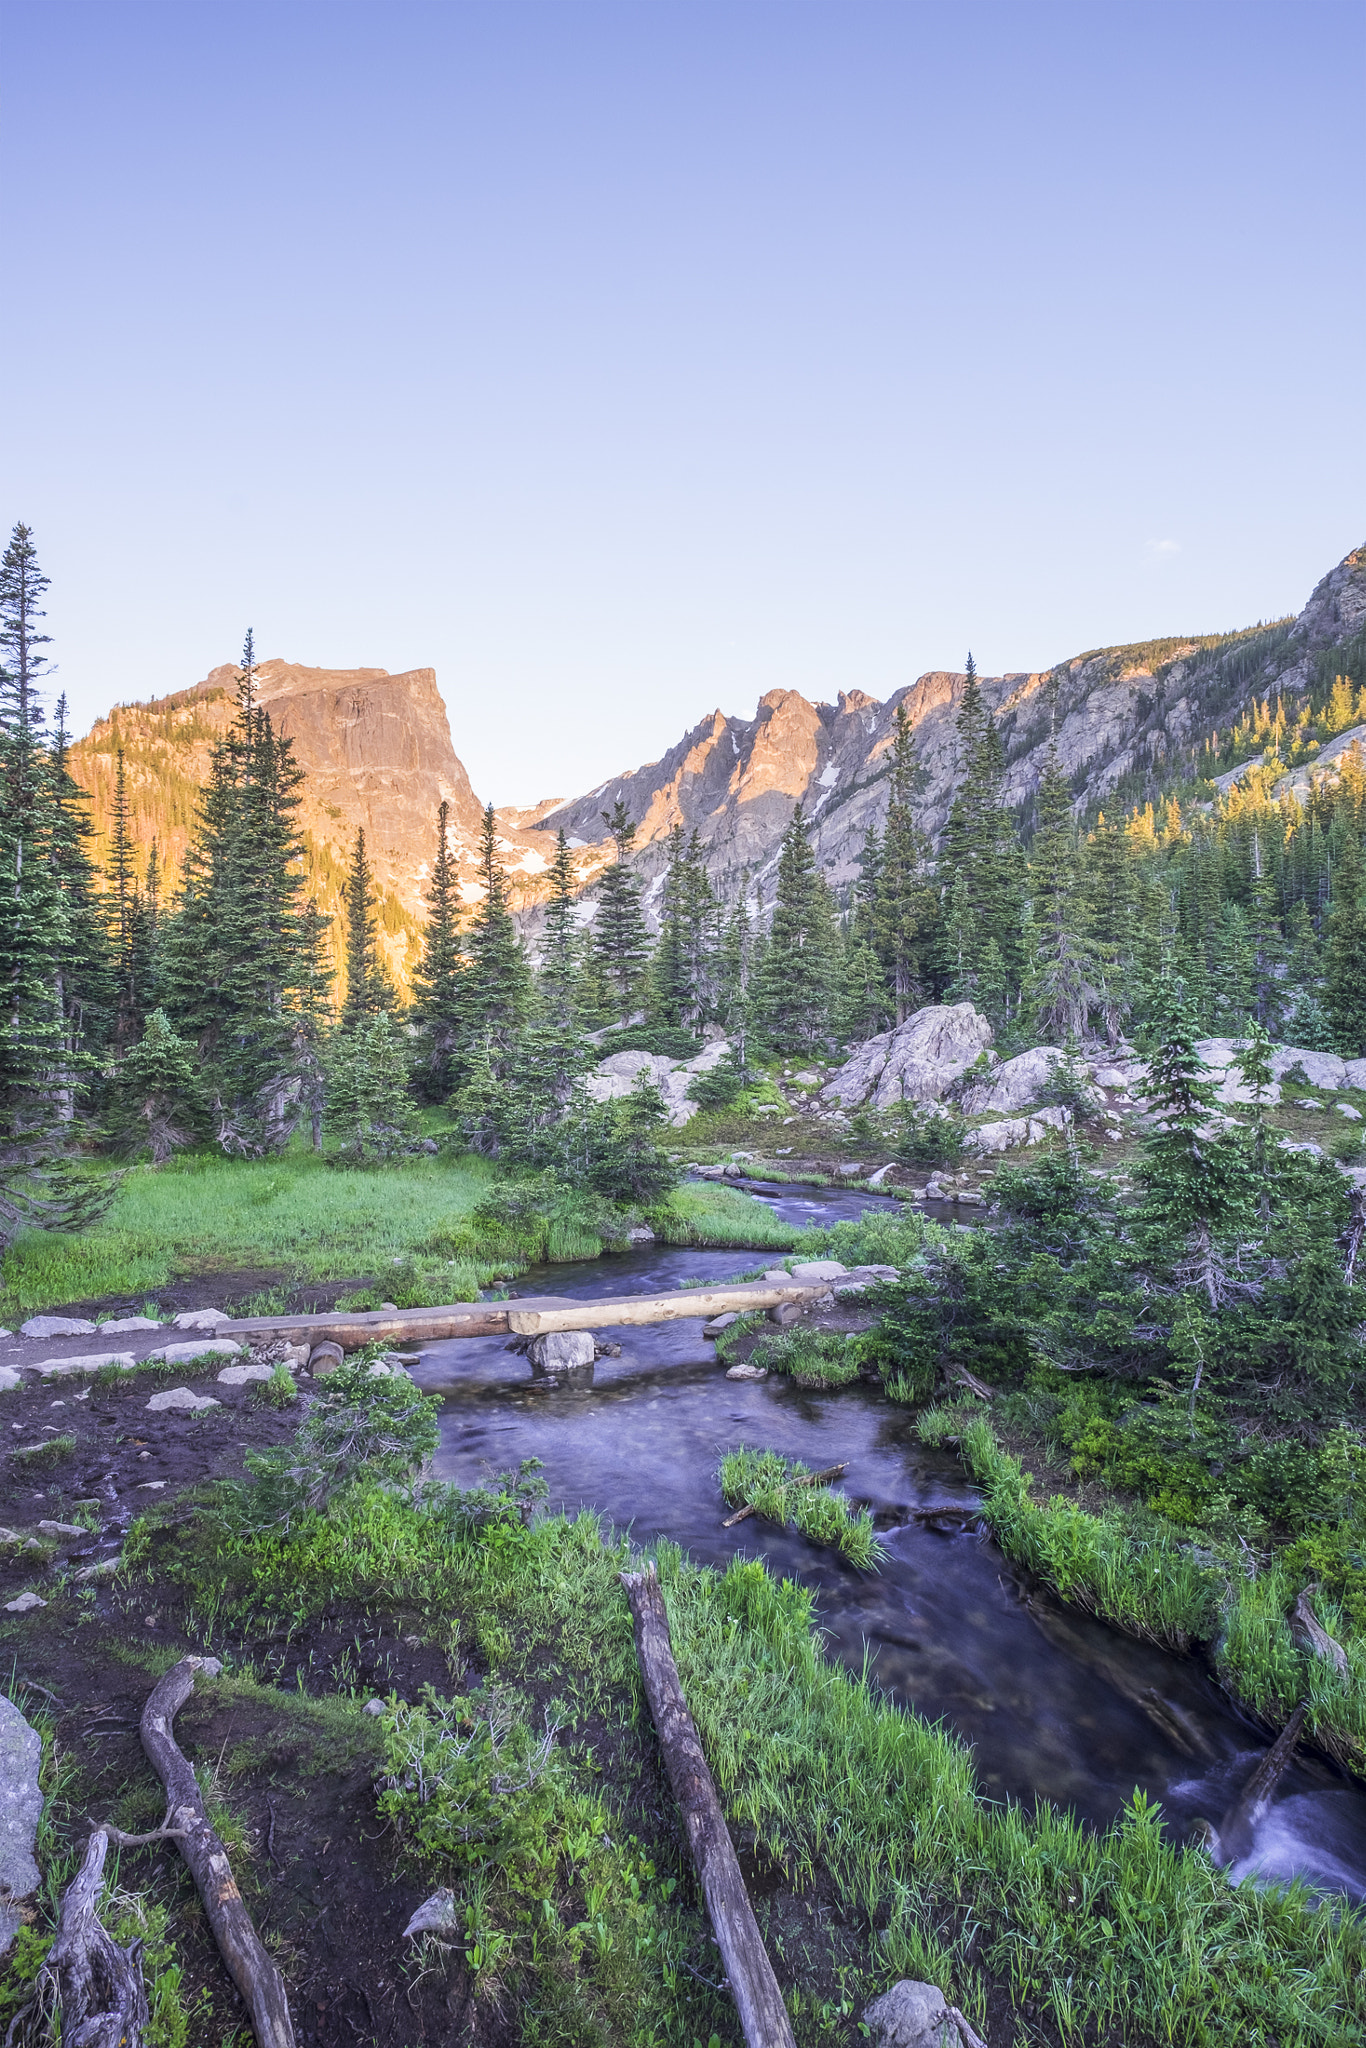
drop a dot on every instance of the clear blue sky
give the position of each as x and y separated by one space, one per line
621 360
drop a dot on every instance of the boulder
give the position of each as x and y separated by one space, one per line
200 1319
180 1397
86 1361
718 1324
124 1326
325 1357
9 1379
917 1062
1307 1102
56 1326
21 1808
746 1371
1016 1083
819 1269
1346 1109
239 1375
25 1604
618 1074
1017 1130
911 2015
56 1530
181 1354
1321 1069
436 1915
563 1355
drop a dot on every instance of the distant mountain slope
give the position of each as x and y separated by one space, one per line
376 750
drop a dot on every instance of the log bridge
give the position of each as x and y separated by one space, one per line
531 1315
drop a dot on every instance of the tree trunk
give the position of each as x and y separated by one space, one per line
251 1968
758 2000
99 1985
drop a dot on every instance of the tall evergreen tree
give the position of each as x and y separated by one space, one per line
1345 952
903 899
980 858
684 966
1064 984
797 985
438 981
561 978
621 940
368 986
498 981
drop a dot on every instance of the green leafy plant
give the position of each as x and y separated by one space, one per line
772 1485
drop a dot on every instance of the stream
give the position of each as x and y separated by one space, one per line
1054 1704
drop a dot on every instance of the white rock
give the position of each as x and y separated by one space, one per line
150 1485
746 1371
88 1361
200 1319
819 1269
1346 1109
435 1915
1321 1069
180 1397
562 1351
240 1375
180 1354
1289 1145
373 1708
918 1061
56 1326
875 1180
910 2015
9 1379
719 1323
21 1808
1018 1082
1355 1071
122 1326
1307 1102
25 1604
875 1273
1017 1130
61 1529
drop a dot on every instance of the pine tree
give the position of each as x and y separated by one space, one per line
1063 981
498 980
560 982
438 981
1198 1190
796 989
159 1094
122 883
368 987
734 974
980 857
368 1105
902 896
684 966
1345 952
621 942
85 970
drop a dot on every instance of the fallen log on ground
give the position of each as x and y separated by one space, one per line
94 1985
1236 1829
803 1479
1320 1642
749 1973
257 1979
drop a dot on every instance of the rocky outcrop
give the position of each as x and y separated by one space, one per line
1017 1082
917 1062
1009 1131
619 1075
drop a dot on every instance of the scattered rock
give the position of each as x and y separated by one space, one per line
200 1319
180 1397
150 1485
89 1361
1017 1130
1305 1145
746 1371
56 1326
1307 1102
181 1354
563 1354
910 2015
436 1915
123 1326
874 1273
374 1708
61 1529
388 1308
1346 1109
25 1604
326 1357
819 1269
21 1809
640 1233
919 1061
785 1314
239 1375
10 1378
1016 1083
719 1323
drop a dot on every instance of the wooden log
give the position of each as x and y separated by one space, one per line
250 1967
1236 1829
532 1318
98 1985
749 1973
1320 1642
803 1479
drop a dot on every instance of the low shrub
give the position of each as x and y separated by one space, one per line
929 1136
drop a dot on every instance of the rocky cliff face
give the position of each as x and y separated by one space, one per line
376 751
1125 719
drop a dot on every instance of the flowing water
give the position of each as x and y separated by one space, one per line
1055 1705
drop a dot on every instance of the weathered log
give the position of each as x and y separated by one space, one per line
98 1985
974 1385
749 1973
1238 1825
803 1479
250 1967
1320 1642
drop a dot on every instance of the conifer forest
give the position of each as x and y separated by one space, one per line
1010 1528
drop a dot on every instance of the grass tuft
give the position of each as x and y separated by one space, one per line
767 1482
